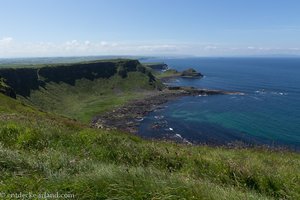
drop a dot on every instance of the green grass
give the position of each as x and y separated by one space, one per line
168 73
42 152
2 84
88 98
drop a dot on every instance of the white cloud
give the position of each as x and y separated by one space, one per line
295 49
159 48
11 48
6 41
76 47
210 47
104 43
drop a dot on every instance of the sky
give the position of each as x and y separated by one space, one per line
40 28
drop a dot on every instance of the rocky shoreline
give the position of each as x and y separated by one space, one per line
129 116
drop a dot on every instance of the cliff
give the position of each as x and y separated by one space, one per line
23 80
5 89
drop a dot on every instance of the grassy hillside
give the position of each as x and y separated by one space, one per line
86 98
41 152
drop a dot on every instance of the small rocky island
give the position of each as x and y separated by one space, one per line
191 73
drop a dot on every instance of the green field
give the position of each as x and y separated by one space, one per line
43 149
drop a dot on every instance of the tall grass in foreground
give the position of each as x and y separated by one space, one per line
41 152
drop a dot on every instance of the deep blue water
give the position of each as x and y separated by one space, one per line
268 113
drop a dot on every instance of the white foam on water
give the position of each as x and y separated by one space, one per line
140 119
159 117
263 91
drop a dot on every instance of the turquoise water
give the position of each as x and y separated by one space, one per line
268 113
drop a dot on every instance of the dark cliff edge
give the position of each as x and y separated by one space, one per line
21 81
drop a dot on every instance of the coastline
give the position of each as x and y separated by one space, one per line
128 117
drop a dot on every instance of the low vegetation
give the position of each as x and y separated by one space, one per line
170 73
42 152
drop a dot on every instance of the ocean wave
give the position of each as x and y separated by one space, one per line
160 124
159 116
256 98
279 93
266 92
178 136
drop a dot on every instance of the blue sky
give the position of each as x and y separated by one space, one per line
149 27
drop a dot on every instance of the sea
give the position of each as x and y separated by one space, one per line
268 114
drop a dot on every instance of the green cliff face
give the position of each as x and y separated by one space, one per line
24 80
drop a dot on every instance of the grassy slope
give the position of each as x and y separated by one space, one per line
168 73
43 152
87 98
